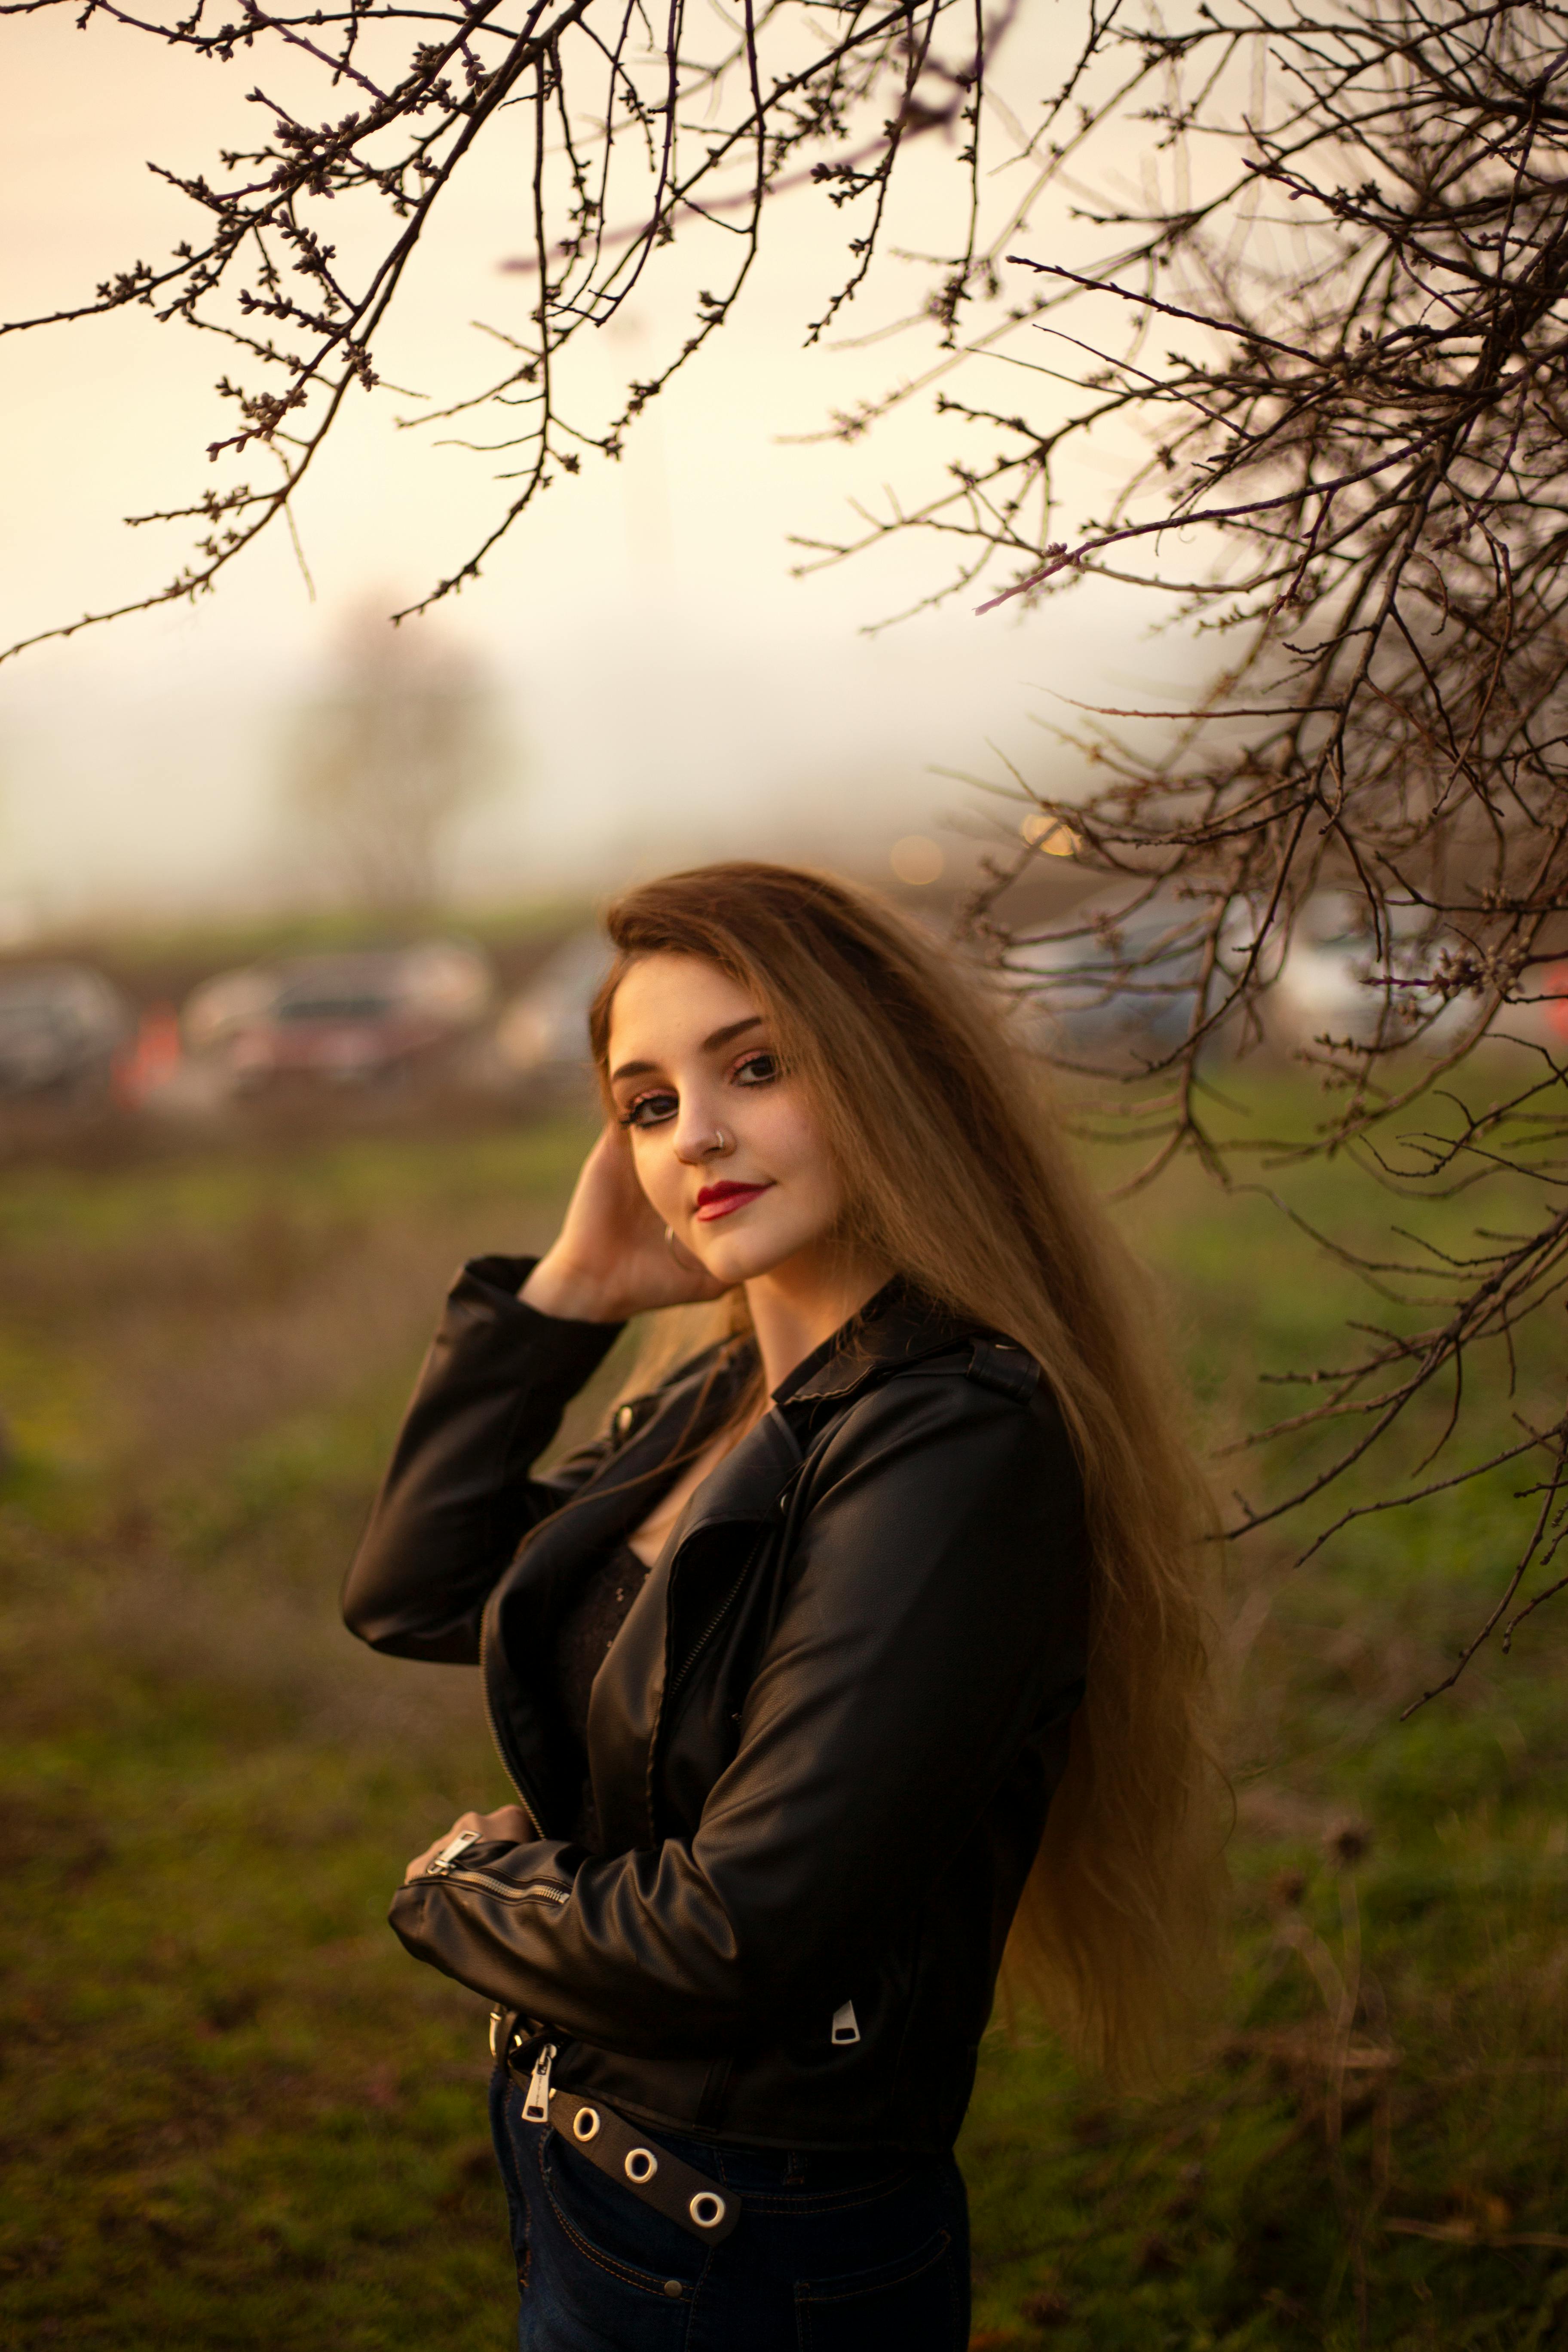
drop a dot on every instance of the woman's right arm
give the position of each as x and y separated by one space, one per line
518 1339
458 1497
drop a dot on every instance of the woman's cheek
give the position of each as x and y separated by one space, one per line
659 1177
788 1139
799 1157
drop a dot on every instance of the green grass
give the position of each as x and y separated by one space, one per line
234 2113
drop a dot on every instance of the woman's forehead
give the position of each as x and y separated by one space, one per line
669 1004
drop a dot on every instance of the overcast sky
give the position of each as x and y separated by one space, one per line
667 688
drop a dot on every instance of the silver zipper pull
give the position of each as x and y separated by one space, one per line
449 1853
846 2025
536 2106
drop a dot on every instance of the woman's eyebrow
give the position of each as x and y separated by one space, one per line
735 1029
710 1046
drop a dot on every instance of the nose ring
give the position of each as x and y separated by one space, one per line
721 1141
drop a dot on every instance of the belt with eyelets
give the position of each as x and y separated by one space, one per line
690 2199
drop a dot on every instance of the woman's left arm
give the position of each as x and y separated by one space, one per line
936 1616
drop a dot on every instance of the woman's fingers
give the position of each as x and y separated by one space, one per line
611 1260
421 1862
508 1822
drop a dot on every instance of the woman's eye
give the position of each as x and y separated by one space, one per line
757 1070
649 1110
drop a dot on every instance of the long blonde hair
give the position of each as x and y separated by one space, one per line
958 1175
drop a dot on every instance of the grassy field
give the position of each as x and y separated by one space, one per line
234 2113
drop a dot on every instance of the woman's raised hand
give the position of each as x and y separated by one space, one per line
610 1259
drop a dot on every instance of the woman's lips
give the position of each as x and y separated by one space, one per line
717 1200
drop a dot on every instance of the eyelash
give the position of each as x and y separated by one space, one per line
628 1117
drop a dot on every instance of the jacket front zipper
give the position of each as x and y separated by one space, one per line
536 2102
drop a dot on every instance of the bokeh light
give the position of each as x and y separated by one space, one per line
916 859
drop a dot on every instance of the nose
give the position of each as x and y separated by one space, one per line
698 1137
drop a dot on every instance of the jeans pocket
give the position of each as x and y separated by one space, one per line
610 2239
911 2302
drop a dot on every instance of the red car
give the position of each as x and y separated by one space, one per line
350 1018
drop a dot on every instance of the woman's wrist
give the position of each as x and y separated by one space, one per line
556 1287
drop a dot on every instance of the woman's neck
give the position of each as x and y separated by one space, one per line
797 1305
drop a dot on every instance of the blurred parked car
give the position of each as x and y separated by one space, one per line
1117 988
61 1025
1539 1017
1339 982
348 1018
1552 988
1114 987
219 1009
542 1037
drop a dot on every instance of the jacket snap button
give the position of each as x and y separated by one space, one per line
673 2287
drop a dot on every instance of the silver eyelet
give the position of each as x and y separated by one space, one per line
706 2210
641 2164
586 2123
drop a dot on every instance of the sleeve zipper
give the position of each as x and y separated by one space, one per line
535 1890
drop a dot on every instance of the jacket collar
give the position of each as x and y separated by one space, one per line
897 1328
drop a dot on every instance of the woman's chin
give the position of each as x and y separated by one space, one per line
733 1266
735 1258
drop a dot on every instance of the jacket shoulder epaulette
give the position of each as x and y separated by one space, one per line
1003 1365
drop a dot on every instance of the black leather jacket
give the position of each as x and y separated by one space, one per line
822 1746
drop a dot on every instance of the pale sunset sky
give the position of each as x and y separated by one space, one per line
666 688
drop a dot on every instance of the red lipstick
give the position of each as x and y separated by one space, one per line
717 1200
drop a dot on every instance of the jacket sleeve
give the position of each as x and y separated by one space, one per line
458 1498
935 1624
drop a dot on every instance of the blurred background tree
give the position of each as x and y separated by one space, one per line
384 764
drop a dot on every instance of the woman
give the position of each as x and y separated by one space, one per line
864 1645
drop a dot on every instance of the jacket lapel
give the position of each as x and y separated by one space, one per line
706 1548
746 1485
526 1608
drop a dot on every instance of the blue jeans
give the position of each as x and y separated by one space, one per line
848 2253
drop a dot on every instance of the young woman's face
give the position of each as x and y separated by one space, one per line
723 1142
